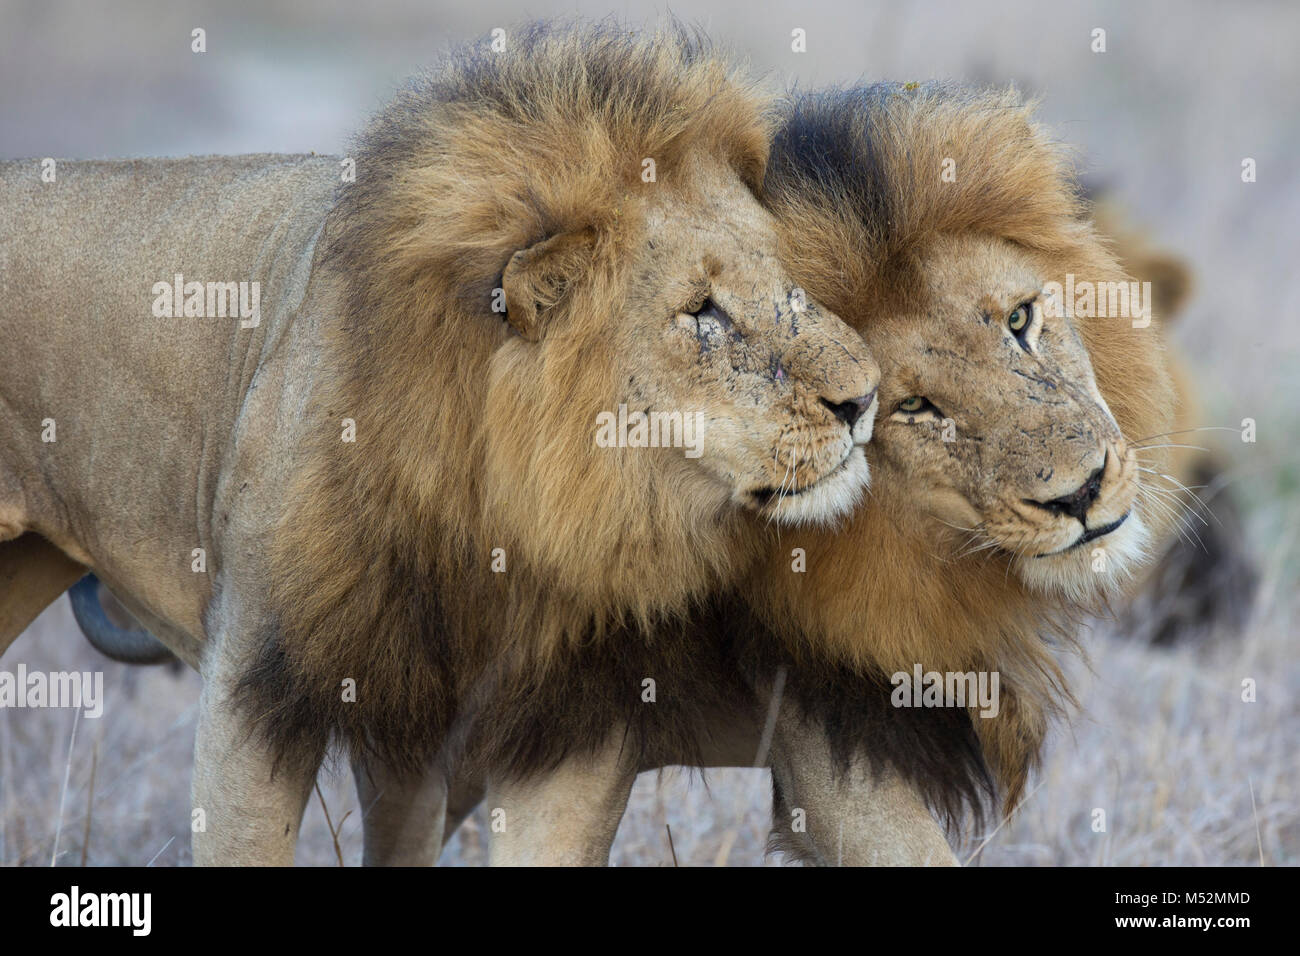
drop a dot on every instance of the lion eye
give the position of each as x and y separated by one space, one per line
916 405
1020 318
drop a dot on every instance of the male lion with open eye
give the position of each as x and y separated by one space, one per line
375 501
1023 393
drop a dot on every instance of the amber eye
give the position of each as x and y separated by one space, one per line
917 405
1019 320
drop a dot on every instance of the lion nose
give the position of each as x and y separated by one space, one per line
850 411
1077 502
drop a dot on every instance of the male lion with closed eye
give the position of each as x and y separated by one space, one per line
374 502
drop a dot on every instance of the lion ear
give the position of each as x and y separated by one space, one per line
1171 283
537 279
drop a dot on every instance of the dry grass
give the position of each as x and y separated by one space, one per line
1164 745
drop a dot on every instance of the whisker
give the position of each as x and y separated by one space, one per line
957 526
1169 445
780 490
790 474
1184 431
976 549
1169 508
1175 498
1195 497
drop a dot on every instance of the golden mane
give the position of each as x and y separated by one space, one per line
382 564
854 178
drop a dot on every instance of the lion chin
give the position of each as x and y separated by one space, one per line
828 499
1091 572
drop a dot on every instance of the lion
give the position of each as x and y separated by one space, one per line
1010 456
371 501
1174 587
868 226
1009 493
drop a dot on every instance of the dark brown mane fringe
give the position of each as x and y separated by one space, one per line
869 158
935 750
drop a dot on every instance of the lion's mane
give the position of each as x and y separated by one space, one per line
855 179
382 564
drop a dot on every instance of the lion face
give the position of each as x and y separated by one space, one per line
725 377
992 421
787 392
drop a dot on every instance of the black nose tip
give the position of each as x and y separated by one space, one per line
849 412
1077 503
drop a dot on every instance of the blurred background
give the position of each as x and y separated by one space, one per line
1186 771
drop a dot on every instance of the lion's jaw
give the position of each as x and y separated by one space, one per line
1013 446
833 495
1081 560
1085 572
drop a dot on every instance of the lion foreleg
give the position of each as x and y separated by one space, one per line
567 817
402 816
247 805
825 815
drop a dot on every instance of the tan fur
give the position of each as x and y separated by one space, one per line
567 817
173 433
859 815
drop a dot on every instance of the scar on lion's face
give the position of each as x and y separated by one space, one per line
784 390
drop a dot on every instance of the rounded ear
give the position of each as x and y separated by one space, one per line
1170 276
537 279
1171 282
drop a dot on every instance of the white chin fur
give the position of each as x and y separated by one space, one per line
829 499
866 423
1082 574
